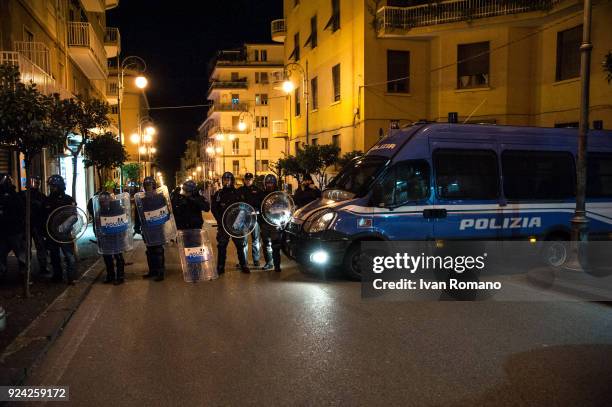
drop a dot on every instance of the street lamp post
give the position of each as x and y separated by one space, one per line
242 126
129 62
288 87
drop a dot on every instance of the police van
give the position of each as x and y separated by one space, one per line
454 181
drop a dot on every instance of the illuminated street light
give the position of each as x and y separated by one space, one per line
153 150
288 87
210 150
219 137
159 174
232 137
141 82
199 169
242 125
150 130
142 150
218 150
135 138
147 138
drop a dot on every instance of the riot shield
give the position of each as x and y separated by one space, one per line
277 208
112 223
239 219
66 224
156 218
197 259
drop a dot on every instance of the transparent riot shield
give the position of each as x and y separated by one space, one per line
197 259
156 219
112 223
66 224
239 219
277 208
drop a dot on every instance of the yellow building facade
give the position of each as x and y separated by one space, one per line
63 47
399 62
245 130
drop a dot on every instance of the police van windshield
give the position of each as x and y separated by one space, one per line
357 176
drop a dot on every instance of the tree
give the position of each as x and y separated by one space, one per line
131 171
290 166
91 117
348 157
104 152
27 124
316 159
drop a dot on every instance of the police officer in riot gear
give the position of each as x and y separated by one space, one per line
57 198
253 195
223 198
12 215
271 235
155 254
37 222
188 207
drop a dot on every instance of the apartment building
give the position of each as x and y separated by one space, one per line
63 47
245 130
375 64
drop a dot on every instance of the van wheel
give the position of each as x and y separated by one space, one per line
352 261
556 251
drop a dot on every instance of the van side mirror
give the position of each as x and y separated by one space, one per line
377 198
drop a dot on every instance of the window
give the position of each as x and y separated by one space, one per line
336 82
263 55
261 77
263 165
296 96
236 146
297 146
473 65
234 76
407 181
261 144
295 54
261 121
256 53
466 174
599 175
236 167
235 98
568 53
538 175
235 122
312 39
334 20
314 91
398 71
315 142
261 99
28 36
114 109
336 140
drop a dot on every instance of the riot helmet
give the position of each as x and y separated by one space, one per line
189 187
149 184
270 183
228 176
56 183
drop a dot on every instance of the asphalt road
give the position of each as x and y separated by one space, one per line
295 339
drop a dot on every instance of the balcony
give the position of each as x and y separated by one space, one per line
239 83
99 6
86 49
228 107
235 152
112 42
31 72
112 91
393 21
278 28
279 129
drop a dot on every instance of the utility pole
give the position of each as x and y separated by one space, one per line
580 221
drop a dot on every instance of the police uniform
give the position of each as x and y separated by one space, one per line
271 235
221 200
12 215
37 220
252 195
56 199
115 263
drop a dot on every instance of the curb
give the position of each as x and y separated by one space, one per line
32 344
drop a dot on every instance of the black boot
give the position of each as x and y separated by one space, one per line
120 268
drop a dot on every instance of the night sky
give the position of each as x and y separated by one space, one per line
177 39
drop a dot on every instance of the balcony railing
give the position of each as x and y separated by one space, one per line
237 152
278 29
229 107
450 11
112 42
36 52
31 72
87 49
240 83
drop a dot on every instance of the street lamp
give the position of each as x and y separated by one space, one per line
289 87
129 62
242 126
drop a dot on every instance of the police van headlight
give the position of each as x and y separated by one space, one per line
319 221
